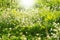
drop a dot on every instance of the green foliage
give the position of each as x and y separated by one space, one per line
39 23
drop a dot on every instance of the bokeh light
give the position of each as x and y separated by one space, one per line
26 4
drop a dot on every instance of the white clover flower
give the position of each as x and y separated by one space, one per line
54 23
57 23
55 30
10 28
54 35
38 38
37 34
51 29
23 37
26 32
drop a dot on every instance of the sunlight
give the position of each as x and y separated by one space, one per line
27 3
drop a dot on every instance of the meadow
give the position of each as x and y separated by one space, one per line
40 21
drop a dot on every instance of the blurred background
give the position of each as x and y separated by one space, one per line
29 19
